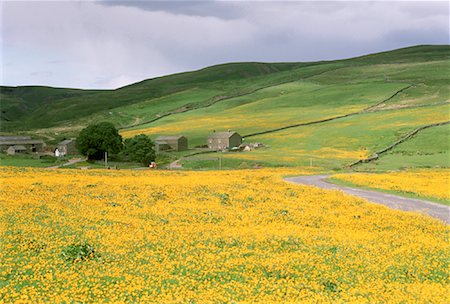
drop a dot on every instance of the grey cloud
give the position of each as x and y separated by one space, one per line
98 45
55 61
427 8
41 74
425 36
219 9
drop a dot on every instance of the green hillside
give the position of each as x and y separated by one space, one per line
27 108
367 103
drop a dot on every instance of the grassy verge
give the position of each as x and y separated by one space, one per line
218 162
29 161
399 193
101 165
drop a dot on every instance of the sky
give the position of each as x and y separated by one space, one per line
108 44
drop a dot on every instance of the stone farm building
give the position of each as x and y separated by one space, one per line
224 140
13 150
30 145
171 143
67 147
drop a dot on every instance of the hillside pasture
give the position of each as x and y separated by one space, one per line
428 149
269 108
407 88
402 95
338 143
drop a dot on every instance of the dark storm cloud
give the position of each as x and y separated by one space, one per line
111 44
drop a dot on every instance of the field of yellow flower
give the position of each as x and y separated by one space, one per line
425 183
208 237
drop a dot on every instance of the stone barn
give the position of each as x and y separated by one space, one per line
67 147
171 143
224 140
13 150
31 145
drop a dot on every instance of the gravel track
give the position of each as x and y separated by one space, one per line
432 209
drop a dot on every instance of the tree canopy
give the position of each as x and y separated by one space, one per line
94 140
139 149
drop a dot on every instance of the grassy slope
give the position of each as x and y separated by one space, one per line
338 91
430 148
272 107
77 107
71 109
20 102
258 97
336 144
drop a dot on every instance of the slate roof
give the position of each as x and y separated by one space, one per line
65 142
222 134
166 138
18 148
23 142
13 138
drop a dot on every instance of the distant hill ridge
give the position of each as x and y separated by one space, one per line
34 107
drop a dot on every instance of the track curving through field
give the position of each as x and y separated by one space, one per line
392 201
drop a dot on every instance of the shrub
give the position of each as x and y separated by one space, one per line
139 149
79 252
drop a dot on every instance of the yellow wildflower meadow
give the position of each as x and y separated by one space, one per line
208 237
426 183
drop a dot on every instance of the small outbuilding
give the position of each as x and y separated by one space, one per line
13 150
31 145
67 147
224 140
171 143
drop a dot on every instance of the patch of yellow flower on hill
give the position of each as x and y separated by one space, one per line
426 183
209 237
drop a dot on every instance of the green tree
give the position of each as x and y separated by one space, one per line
139 149
94 140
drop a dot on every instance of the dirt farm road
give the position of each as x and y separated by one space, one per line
70 162
392 201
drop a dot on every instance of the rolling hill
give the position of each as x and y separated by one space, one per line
328 113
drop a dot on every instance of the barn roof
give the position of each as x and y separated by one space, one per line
13 138
66 142
18 148
165 138
22 142
222 134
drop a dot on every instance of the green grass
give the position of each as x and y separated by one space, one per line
340 90
428 149
400 193
219 161
333 145
26 160
273 107
30 107
100 164
71 108
255 97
